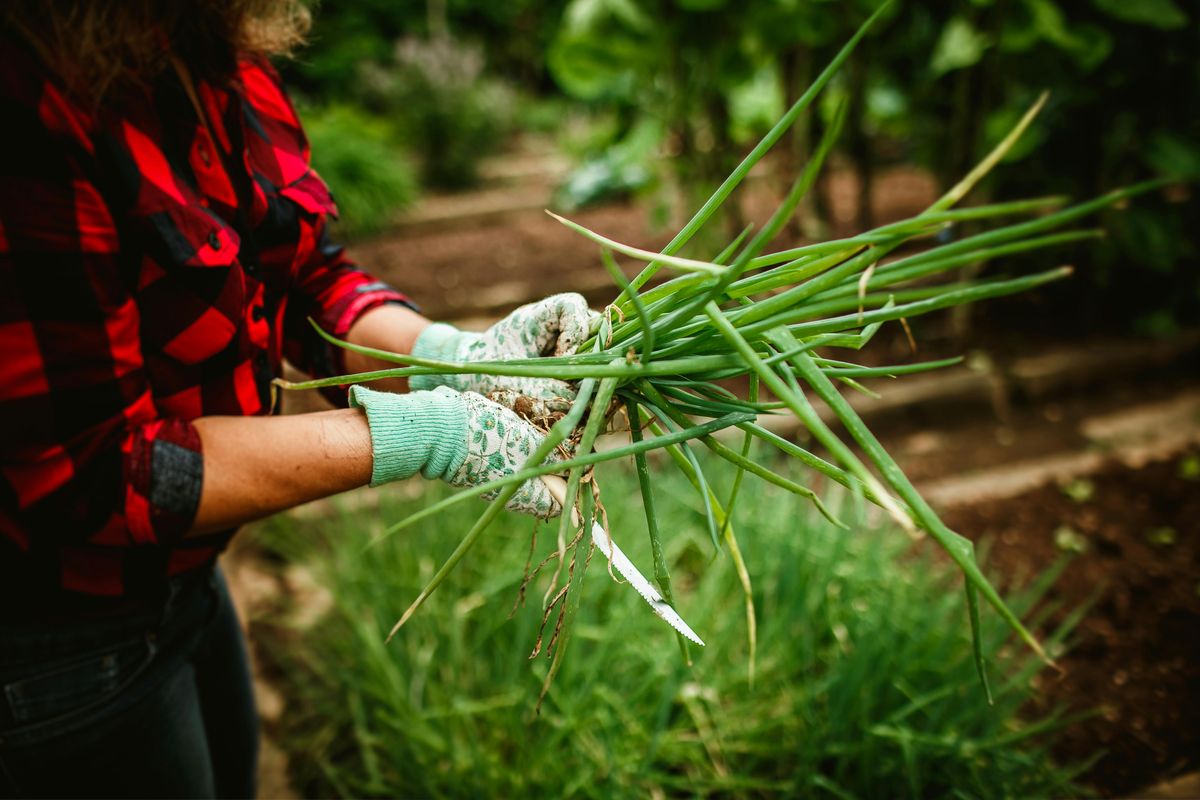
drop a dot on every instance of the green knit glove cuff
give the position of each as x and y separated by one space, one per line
422 432
439 342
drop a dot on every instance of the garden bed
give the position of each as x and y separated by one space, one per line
1133 660
1135 656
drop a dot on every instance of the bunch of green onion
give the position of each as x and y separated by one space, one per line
658 354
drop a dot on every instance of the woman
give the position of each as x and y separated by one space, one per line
162 247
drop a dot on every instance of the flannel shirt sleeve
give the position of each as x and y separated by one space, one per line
334 292
84 456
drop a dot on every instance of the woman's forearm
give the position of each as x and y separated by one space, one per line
256 466
390 327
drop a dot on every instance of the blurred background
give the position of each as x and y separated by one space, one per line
1067 444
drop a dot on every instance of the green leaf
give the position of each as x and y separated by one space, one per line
662 574
1153 237
1089 45
1174 154
959 46
591 15
594 67
755 103
1162 14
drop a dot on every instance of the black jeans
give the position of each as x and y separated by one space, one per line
157 703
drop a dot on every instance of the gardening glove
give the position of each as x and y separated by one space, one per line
555 326
461 437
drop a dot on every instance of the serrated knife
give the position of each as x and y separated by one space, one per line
622 564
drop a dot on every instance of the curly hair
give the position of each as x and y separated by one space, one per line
96 45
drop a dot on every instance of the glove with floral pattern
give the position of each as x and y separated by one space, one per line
555 326
460 437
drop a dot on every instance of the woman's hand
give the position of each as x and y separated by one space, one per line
498 444
460 437
555 326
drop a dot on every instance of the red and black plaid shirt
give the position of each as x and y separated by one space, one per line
130 306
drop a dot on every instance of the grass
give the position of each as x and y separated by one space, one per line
865 684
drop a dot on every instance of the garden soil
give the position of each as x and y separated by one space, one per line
1135 658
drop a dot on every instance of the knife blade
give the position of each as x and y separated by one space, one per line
622 564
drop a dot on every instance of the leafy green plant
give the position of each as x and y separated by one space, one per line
405 71
945 82
438 98
865 685
704 75
618 171
354 153
515 36
1102 128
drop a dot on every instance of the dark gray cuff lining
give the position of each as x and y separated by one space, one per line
176 477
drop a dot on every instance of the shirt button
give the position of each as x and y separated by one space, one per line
214 241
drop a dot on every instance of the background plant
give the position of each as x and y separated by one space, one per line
697 73
1118 113
435 93
403 67
357 156
514 36
934 84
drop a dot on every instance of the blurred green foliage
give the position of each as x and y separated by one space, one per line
704 73
427 71
865 684
683 86
713 74
613 171
1124 105
515 36
435 94
936 83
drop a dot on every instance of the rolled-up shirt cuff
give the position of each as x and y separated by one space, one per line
165 470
